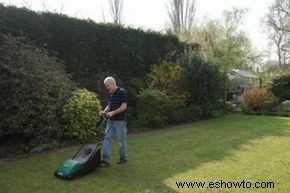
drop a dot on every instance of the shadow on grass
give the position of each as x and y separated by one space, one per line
153 157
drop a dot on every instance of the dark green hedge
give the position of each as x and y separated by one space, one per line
89 50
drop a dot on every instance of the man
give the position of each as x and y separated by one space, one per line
116 123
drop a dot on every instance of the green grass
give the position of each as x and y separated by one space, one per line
231 148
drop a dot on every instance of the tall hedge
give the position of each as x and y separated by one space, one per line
92 50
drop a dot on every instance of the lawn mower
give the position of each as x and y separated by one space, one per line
86 159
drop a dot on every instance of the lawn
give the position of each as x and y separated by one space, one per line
232 149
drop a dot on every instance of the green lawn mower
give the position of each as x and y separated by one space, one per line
86 159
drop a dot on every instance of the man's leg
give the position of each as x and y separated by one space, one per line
107 142
121 130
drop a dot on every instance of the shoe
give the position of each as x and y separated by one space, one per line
122 161
104 163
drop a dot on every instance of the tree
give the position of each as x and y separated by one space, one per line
224 43
116 10
181 15
278 28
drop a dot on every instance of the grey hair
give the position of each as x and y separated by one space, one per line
109 80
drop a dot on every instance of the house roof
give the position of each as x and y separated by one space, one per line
241 73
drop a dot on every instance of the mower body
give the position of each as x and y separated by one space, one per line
87 158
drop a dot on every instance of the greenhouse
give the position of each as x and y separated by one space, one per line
239 81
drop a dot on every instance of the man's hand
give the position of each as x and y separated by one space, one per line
101 113
122 108
110 114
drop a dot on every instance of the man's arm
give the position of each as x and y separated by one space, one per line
122 108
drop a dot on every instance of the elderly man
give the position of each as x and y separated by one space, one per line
116 123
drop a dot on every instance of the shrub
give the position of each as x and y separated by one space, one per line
45 147
280 87
229 106
34 88
81 113
167 77
203 81
284 106
152 108
259 99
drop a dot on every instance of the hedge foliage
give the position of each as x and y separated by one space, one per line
152 108
92 51
193 85
34 88
204 82
167 77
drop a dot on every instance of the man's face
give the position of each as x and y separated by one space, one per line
110 87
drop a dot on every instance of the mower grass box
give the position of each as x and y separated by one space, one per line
87 158
67 168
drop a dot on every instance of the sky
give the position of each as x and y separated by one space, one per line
152 14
